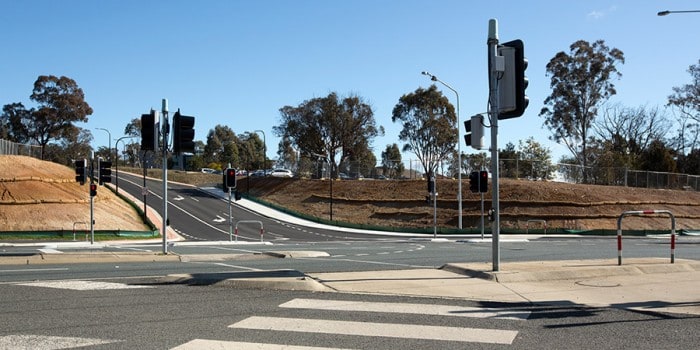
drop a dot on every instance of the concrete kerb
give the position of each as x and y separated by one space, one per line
571 270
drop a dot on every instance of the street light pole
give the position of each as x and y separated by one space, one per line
110 141
459 151
116 164
666 13
264 149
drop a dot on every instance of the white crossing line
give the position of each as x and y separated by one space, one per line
232 345
44 342
371 329
81 285
405 308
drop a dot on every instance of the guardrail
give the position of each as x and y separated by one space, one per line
645 212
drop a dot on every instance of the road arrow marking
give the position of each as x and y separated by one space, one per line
219 219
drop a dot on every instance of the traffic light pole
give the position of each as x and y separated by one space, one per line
492 43
92 200
165 126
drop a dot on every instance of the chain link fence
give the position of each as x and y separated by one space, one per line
19 149
609 176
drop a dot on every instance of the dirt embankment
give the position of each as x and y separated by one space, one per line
403 203
39 195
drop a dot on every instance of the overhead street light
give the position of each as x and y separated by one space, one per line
109 150
667 12
459 151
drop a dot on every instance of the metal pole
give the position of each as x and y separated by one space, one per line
109 151
434 194
459 151
230 217
482 215
492 43
144 190
165 126
92 200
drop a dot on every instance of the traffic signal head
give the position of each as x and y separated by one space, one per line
474 182
229 178
93 190
105 171
483 181
183 133
148 131
80 166
511 88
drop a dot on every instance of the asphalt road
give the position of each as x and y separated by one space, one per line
199 216
140 313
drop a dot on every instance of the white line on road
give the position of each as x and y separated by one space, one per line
234 345
405 308
371 329
81 285
45 342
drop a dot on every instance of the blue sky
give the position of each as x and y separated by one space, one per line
237 63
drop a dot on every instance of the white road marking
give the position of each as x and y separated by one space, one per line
405 308
81 285
50 251
371 329
233 345
45 342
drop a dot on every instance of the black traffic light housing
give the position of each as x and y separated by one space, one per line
229 178
483 181
80 166
93 189
511 89
183 133
474 182
148 131
105 171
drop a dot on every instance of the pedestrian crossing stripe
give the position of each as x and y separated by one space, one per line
371 329
81 285
234 345
29 341
406 308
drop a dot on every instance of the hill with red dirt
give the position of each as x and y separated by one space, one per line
37 195
402 203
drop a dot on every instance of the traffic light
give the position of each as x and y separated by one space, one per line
183 133
229 178
105 171
148 131
474 182
80 166
474 137
511 88
93 190
483 181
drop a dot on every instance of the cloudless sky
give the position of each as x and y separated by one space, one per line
236 63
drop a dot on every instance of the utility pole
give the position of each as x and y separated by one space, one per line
166 128
494 67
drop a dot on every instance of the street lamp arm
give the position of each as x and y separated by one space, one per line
667 12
